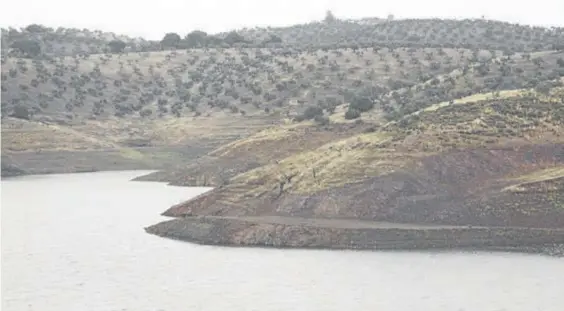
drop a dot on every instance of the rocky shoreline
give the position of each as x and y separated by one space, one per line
234 232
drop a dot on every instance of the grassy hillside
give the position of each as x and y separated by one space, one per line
493 161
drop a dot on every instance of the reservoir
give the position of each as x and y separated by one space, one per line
76 242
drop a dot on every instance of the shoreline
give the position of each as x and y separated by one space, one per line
47 174
242 233
386 237
48 162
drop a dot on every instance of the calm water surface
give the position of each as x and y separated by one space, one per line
76 242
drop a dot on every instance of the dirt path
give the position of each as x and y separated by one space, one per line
349 223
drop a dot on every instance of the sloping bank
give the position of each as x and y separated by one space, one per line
406 209
442 179
476 206
248 232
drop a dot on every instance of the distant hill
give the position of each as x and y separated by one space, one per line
40 41
37 40
469 33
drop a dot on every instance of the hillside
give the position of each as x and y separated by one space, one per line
331 33
66 146
452 154
491 78
267 146
485 161
159 104
468 33
205 82
38 41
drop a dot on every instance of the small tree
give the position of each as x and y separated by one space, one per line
321 119
233 37
329 17
30 48
273 39
171 39
352 114
544 87
21 112
196 38
361 103
116 46
35 28
312 112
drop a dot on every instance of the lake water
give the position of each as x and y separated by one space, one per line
76 242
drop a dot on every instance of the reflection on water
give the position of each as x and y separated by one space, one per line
76 242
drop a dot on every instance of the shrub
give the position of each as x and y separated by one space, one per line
170 39
320 119
352 114
361 103
35 28
196 38
116 46
312 112
30 48
21 112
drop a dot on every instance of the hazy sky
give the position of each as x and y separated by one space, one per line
151 19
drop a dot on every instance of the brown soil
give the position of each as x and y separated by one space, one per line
464 187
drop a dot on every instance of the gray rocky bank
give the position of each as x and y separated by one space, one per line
230 232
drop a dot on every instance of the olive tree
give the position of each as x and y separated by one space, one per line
171 39
116 46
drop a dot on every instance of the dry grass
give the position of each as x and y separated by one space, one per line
542 175
177 130
23 136
490 122
276 143
333 164
520 115
527 180
476 98
505 94
271 134
20 135
113 133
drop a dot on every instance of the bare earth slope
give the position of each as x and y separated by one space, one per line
496 163
39 147
265 147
